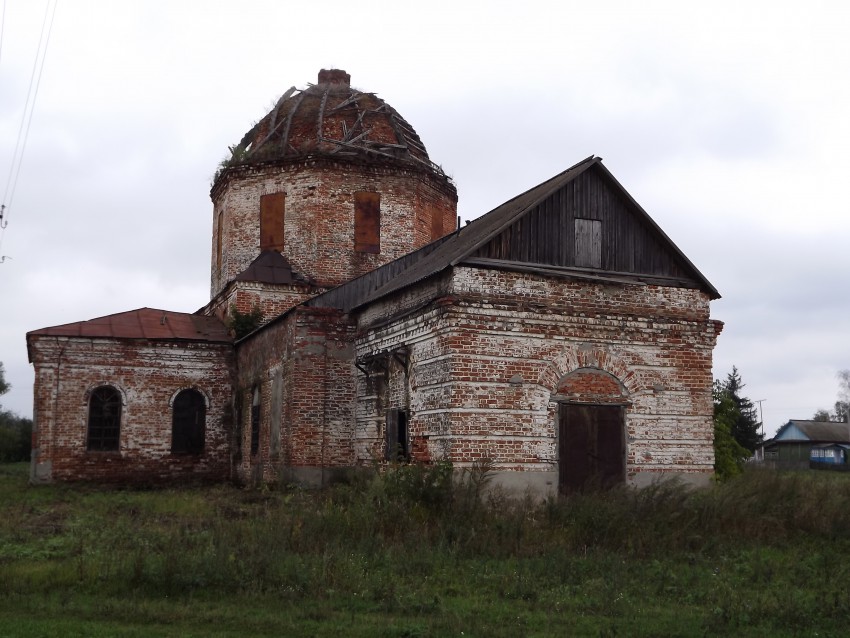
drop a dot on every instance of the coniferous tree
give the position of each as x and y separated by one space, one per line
746 425
729 455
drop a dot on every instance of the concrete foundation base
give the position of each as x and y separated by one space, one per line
690 479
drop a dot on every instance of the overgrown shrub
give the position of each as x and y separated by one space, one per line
244 323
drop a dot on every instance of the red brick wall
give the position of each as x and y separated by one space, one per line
273 299
319 217
312 405
148 375
591 385
490 360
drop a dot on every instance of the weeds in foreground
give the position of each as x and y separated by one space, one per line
757 554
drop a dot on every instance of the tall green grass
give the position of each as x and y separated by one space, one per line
416 551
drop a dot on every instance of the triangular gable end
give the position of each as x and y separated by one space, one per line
591 225
790 432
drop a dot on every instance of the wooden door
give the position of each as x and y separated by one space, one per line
591 446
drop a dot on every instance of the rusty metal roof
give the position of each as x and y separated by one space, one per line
270 267
144 323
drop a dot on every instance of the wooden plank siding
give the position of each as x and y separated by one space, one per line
546 234
535 232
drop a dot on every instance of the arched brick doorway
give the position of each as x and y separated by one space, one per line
591 430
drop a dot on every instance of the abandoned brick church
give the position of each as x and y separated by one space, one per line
562 335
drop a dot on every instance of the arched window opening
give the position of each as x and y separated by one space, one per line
188 423
104 426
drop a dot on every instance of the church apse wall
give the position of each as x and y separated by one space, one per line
105 410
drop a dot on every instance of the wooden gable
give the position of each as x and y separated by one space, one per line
580 223
590 223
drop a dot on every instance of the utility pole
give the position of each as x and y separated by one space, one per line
761 416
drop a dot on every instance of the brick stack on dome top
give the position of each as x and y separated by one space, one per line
333 120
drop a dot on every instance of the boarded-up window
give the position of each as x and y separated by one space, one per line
588 243
397 439
436 224
188 423
272 208
104 426
367 222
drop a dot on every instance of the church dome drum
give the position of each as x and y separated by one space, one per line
335 180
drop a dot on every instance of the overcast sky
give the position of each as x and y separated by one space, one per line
729 122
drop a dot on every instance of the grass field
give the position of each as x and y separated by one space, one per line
410 554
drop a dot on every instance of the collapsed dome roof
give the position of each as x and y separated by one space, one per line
332 119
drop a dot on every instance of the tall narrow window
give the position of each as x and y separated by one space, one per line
588 243
188 423
397 439
367 222
255 421
272 208
436 224
104 426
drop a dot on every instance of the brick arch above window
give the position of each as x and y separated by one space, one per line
109 384
576 357
591 385
207 401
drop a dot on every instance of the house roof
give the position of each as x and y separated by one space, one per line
144 323
462 245
814 431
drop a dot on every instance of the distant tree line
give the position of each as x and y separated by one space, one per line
842 406
15 431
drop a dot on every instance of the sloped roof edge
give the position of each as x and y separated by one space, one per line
712 291
466 240
143 323
817 431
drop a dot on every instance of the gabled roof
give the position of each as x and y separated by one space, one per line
814 431
270 267
461 246
144 323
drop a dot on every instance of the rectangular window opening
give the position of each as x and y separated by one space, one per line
255 422
436 224
272 211
367 222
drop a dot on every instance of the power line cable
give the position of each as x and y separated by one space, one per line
26 119
2 24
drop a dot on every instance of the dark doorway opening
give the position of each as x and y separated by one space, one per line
591 447
397 437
